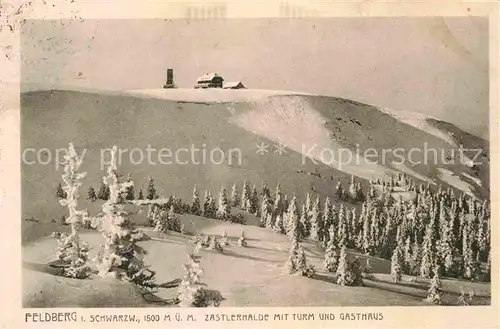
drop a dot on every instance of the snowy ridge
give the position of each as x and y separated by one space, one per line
211 95
419 121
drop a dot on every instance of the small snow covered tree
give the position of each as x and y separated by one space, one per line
206 203
367 240
279 204
151 191
328 220
242 241
297 261
254 201
130 193
367 271
224 240
301 260
103 192
465 299
196 205
212 207
215 245
235 196
72 252
91 196
141 195
305 225
292 221
224 209
343 229
290 264
160 219
121 258
488 265
279 225
352 192
265 190
209 207
356 272
339 191
407 253
265 211
360 196
416 259
331 254
191 292
245 196
343 271
396 272
308 203
434 294
270 221
428 253
60 192
316 222
470 263
151 215
173 222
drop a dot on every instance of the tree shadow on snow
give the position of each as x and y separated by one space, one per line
267 249
42 268
326 277
424 286
314 254
371 284
258 259
166 240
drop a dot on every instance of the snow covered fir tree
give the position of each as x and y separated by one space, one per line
72 252
122 257
191 291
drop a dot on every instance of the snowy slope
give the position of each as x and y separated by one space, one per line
316 131
251 276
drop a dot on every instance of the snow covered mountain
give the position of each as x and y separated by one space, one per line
322 138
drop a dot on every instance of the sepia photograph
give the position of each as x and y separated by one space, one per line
260 162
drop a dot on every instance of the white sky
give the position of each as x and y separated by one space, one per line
433 66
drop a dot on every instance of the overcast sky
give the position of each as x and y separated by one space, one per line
430 65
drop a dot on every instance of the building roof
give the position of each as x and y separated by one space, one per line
232 84
209 77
